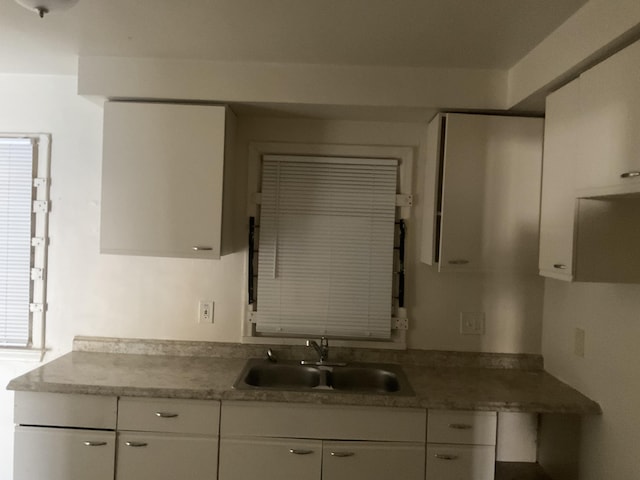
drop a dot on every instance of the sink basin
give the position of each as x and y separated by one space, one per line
282 375
364 379
259 374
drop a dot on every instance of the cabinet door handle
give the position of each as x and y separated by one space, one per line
630 174
201 248
445 456
135 444
460 426
90 443
458 261
560 266
342 454
166 414
297 451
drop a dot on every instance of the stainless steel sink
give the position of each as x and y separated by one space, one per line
282 375
259 374
364 379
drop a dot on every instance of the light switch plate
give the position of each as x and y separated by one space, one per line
472 323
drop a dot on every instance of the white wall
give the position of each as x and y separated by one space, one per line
513 304
123 296
609 314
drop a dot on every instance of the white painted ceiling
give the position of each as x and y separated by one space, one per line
423 33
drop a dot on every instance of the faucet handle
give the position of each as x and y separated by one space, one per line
324 342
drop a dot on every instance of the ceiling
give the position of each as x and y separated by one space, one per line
420 33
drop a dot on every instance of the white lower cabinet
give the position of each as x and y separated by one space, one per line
372 460
274 441
460 462
461 445
63 454
166 439
270 458
64 437
161 456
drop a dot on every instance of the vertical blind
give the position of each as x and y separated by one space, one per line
325 263
16 188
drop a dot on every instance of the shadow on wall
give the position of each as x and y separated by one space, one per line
559 445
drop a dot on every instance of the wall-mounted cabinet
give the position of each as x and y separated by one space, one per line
162 179
610 106
482 193
590 209
562 136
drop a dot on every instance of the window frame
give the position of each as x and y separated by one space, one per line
36 346
404 155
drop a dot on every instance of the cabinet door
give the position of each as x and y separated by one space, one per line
63 454
460 462
610 100
491 193
270 459
162 178
156 456
372 461
562 137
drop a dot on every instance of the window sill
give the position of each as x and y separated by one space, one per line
22 354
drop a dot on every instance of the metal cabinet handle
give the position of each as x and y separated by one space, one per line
560 266
90 443
444 456
201 248
460 426
458 261
166 414
630 174
297 451
342 454
135 444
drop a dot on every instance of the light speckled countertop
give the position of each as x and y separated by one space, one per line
439 379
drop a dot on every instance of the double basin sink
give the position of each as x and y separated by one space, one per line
260 374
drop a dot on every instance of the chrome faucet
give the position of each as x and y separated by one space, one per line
322 350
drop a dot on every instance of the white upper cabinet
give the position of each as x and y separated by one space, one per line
482 193
610 102
162 179
562 138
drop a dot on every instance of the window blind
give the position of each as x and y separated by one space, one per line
16 190
325 263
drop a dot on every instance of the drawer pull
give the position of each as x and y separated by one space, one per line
560 266
90 443
297 451
342 454
135 444
201 248
460 426
630 175
166 414
445 456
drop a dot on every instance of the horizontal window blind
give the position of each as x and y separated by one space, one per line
16 190
325 263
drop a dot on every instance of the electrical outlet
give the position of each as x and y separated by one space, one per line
472 323
578 342
205 311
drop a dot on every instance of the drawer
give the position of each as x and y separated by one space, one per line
454 462
461 427
264 419
169 415
64 410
